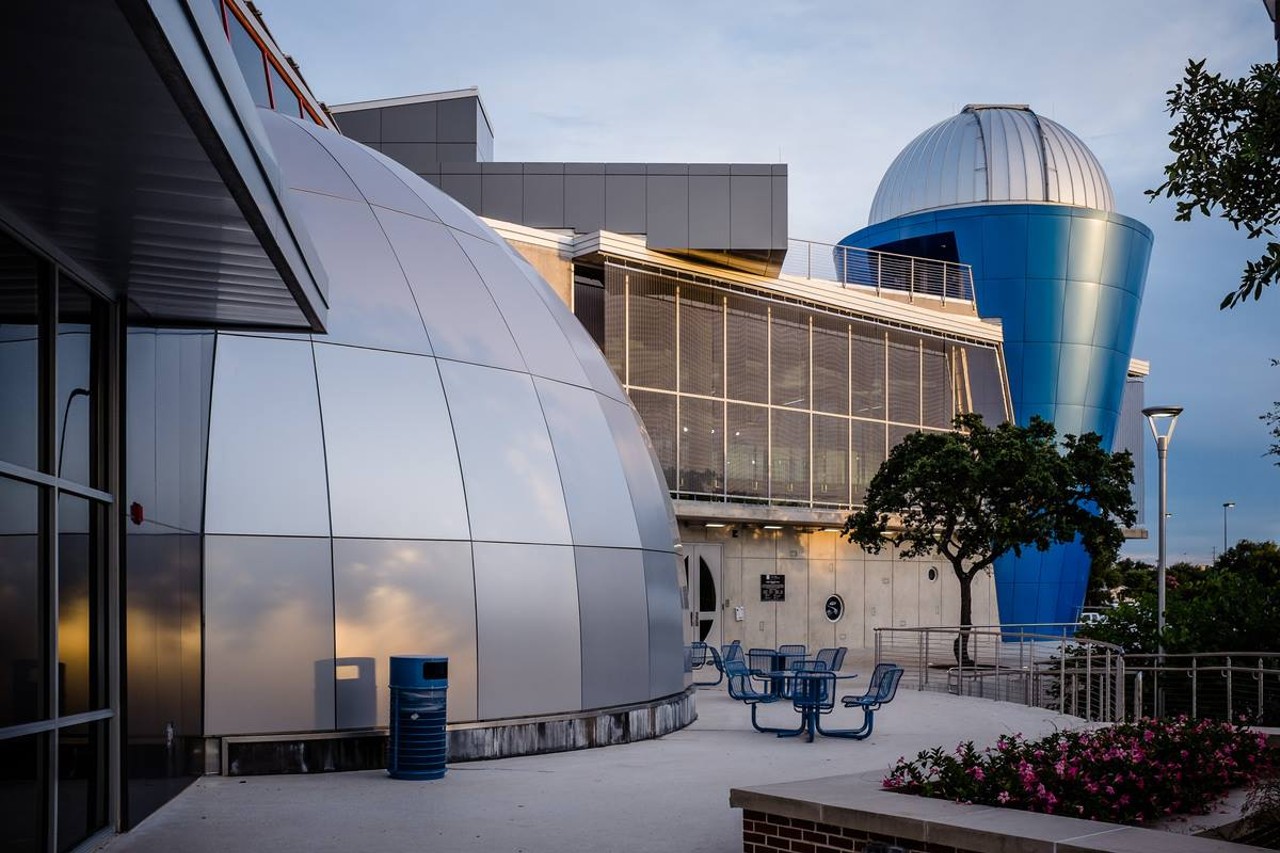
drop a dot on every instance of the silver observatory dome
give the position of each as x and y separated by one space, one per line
453 469
992 153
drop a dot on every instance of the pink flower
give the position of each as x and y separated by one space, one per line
1003 797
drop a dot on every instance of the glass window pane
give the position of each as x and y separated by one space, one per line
286 101
82 782
80 673
19 356
701 341
23 768
75 382
392 462
790 358
22 665
266 455
701 447
748 462
249 57
508 464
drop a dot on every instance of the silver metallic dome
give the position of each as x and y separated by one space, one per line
453 469
992 153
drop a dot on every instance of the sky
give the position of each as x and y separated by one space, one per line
835 90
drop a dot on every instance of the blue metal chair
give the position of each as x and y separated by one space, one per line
793 656
828 659
880 692
713 658
733 651
742 688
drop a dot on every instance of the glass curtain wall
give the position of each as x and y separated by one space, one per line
753 400
55 497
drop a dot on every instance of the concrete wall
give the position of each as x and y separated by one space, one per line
556 270
879 590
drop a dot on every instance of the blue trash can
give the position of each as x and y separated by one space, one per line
418 746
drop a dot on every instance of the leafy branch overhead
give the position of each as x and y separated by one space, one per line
1227 155
976 494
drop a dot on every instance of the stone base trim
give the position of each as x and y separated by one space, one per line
853 813
323 752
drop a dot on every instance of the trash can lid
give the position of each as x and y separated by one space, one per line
419 671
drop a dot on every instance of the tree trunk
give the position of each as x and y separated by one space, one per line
960 648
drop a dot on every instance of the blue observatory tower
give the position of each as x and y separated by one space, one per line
1024 202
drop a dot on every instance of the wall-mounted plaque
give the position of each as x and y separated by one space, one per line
773 587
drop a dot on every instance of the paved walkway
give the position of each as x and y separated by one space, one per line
666 794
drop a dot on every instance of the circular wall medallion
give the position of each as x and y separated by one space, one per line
834 608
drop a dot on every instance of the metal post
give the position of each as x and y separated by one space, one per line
1226 506
1230 697
1062 676
1119 689
1195 687
1137 696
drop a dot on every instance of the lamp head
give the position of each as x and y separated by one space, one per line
1161 417
1228 504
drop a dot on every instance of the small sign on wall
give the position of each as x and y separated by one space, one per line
773 587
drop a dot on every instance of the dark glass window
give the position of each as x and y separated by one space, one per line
19 355
252 64
82 789
22 660
79 571
588 302
74 413
23 780
285 100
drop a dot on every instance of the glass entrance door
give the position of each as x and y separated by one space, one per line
702 566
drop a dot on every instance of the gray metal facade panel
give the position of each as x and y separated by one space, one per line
584 201
269 628
710 211
464 188
751 225
455 120
624 202
667 211
502 196
615 626
409 123
393 596
666 645
363 125
781 228
416 156
266 454
528 637
543 200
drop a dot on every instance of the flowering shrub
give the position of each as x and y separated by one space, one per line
1127 773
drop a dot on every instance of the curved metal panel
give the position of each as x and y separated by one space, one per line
308 164
266 455
991 153
369 300
615 626
654 514
666 627
460 315
268 648
401 597
595 486
508 464
393 467
529 643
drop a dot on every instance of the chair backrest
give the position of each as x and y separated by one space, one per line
697 654
739 676
889 685
733 651
716 660
762 660
839 661
825 659
792 656
878 676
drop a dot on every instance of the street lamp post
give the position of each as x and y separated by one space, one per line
1226 506
1158 417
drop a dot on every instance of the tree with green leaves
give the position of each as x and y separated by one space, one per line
975 494
1226 144
1272 420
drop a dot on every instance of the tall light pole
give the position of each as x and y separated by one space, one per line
1226 506
1162 417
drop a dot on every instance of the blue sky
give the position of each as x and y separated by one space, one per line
835 90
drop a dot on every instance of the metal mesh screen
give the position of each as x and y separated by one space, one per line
789 364
658 412
615 321
747 342
701 340
904 378
868 371
830 365
897 433
867 455
747 463
701 441
789 455
936 392
830 460
652 331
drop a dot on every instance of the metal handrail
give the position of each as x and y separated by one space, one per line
852 267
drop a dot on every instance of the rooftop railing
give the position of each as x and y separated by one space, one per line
880 272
